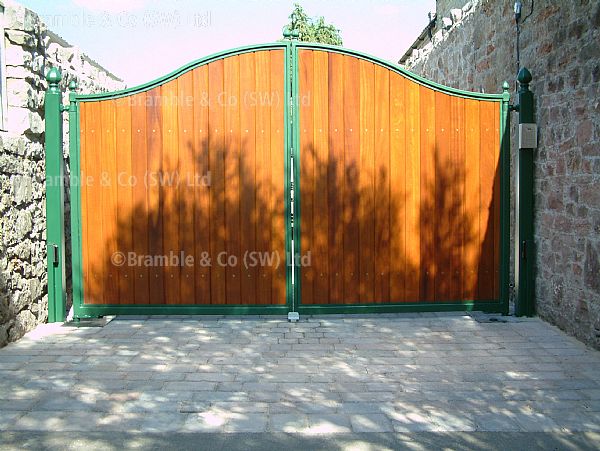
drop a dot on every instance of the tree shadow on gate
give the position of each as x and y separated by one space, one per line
186 235
377 240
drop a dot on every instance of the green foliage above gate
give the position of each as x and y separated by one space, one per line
313 29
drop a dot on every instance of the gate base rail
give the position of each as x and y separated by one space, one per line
95 311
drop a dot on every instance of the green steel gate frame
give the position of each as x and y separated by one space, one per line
292 221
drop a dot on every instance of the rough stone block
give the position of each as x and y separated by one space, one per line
21 38
24 322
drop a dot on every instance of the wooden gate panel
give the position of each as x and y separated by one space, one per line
351 161
412 192
124 197
415 172
472 199
140 216
187 169
336 176
366 185
398 247
428 216
382 185
248 178
201 190
263 177
276 221
190 169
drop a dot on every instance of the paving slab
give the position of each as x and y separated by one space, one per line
383 378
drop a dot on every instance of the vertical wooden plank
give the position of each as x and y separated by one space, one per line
429 210
154 141
109 200
307 169
496 202
124 197
335 176
381 130
321 168
278 100
457 151
367 182
96 231
201 190
216 149
486 180
140 213
352 178
169 190
248 173
445 207
263 174
86 192
472 201
231 98
83 192
187 182
398 157
413 210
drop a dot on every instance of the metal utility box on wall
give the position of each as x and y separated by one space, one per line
527 136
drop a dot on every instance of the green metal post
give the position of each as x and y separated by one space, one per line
55 218
505 198
525 257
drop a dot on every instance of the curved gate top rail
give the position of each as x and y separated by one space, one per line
287 45
331 178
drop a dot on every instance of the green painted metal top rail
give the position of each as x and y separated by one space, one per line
286 45
400 70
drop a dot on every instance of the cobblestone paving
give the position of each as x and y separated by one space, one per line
329 374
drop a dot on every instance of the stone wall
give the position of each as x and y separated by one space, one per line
30 49
560 45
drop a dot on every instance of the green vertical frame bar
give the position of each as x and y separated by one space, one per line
55 218
295 131
505 198
289 293
524 244
75 182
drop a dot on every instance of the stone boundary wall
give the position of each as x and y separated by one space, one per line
30 49
474 49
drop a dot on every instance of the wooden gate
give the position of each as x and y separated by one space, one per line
183 190
191 193
403 189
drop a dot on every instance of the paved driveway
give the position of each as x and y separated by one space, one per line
325 375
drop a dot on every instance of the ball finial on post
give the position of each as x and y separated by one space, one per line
290 34
524 76
53 76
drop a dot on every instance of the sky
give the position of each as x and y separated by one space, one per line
140 40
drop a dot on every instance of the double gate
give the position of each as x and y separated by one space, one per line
289 177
